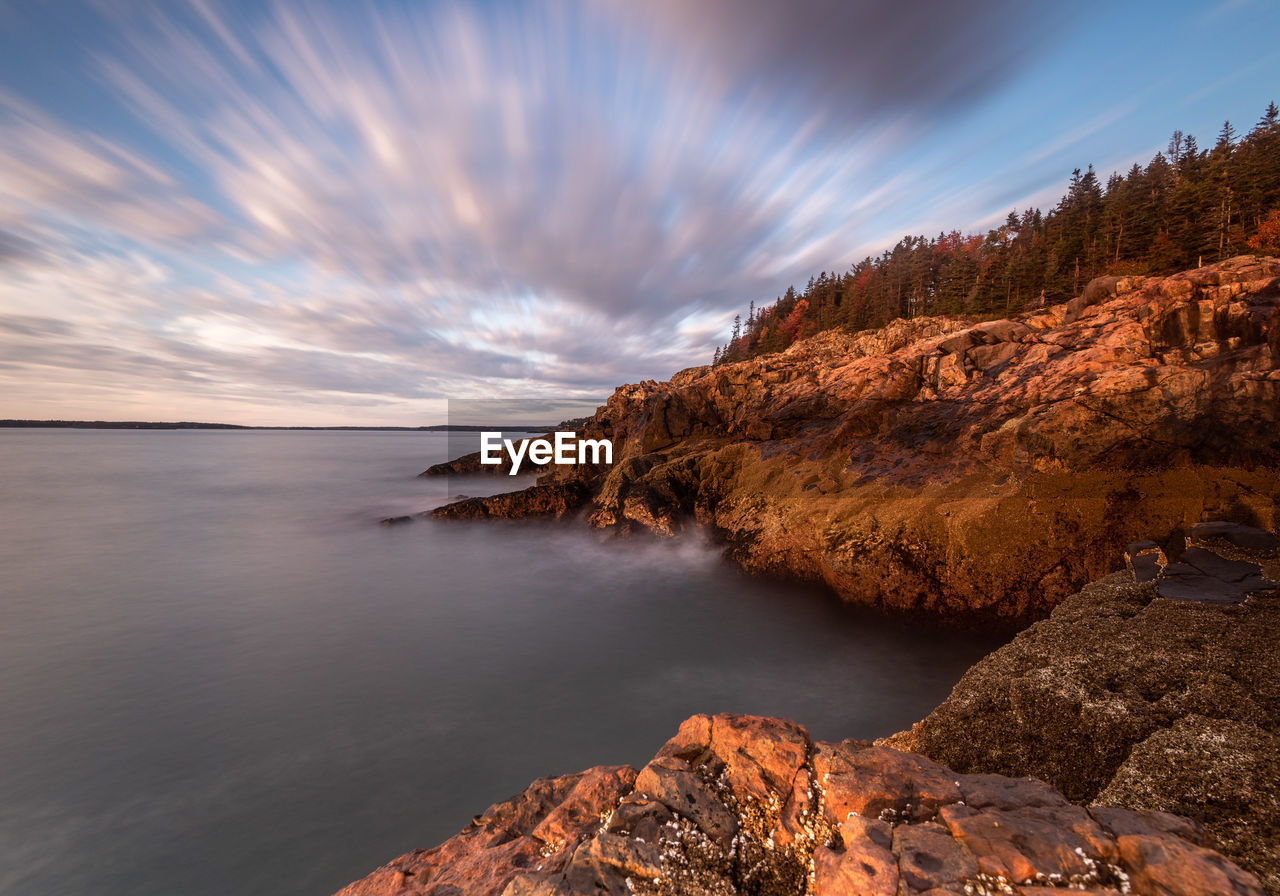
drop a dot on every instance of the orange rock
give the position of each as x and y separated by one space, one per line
881 782
679 832
866 864
1031 843
1169 866
928 858
1039 437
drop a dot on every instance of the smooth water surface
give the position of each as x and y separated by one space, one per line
219 675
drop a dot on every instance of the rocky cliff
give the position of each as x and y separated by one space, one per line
746 805
1126 744
981 471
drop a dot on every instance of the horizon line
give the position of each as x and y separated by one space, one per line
194 424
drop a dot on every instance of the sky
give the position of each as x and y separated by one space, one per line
346 213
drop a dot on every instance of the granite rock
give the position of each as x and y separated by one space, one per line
1143 699
980 471
705 817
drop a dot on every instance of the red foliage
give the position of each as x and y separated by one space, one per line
946 246
1267 239
795 320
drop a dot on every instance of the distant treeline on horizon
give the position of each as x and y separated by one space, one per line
1187 207
138 424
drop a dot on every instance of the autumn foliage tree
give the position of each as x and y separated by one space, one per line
795 320
1266 240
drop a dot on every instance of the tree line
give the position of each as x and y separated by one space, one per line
1189 206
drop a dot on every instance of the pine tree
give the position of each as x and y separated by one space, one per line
1226 136
1269 119
1182 208
1221 185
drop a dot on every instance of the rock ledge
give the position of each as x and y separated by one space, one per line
742 804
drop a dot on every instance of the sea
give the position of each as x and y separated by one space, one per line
220 676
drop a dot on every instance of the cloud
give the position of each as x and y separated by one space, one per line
30 325
459 200
876 58
52 170
15 248
516 152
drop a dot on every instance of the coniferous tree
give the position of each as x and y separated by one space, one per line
1271 117
1186 206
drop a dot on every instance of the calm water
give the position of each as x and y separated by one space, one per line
219 676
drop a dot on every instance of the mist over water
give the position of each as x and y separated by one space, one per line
219 675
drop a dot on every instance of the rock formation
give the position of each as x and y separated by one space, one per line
1128 743
1155 689
981 471
470 463
556 499
740 804
1154 720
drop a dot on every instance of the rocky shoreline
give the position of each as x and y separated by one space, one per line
1154 688
1160 758
905 467
740 804
1128 741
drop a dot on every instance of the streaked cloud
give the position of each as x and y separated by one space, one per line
358 210
874 58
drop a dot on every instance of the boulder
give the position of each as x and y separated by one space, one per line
697 821
1141 700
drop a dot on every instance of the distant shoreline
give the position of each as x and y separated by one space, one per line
137 424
